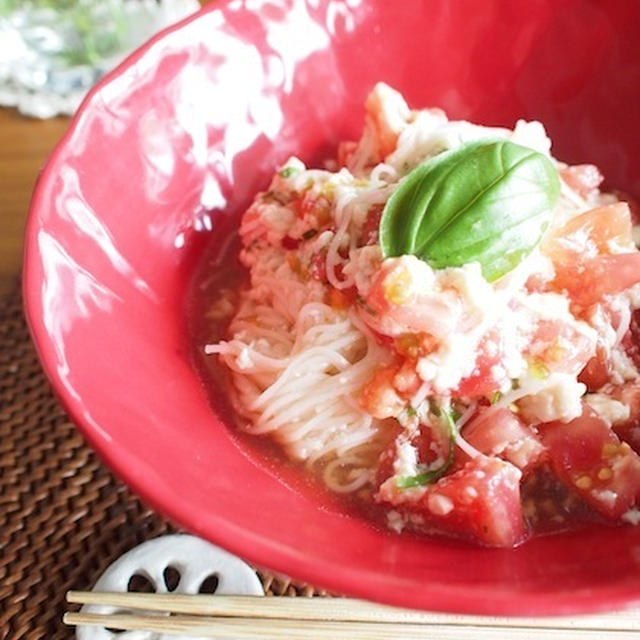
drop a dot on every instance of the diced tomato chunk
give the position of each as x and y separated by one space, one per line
290 243
587 282
481 500
384 469
561 346
370 228
342 298
589 233
387 115
346 149
597 371
588 456
586 254
634 204
319 265
628 430
583 178
499 432
379 396
487 376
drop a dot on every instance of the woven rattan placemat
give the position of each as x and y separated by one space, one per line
63 516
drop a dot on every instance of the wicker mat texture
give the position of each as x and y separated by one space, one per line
63 516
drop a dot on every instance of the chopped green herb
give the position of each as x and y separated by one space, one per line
496 397
429 477
411 411
309 234
287 172
419 480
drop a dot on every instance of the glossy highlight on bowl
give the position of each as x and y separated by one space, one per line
159 162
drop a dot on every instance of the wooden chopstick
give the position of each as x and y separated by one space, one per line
335 609
259 610
270 629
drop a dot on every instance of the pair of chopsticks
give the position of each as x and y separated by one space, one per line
264 618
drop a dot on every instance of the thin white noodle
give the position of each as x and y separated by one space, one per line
362 475
421 395
471 451
467 415
382 169
329 355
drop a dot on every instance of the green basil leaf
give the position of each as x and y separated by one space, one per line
488 201
429 477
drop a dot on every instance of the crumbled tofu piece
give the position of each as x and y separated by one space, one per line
558 400
610 410
406 461
439 505
632 516
395 521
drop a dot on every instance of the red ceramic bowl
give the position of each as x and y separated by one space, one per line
171 146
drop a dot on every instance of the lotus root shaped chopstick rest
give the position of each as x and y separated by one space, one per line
177 564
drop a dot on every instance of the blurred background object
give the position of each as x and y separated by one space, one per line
53 51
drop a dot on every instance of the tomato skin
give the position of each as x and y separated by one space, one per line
499 432
480 501
588 456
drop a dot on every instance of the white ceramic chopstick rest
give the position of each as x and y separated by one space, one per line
186 559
